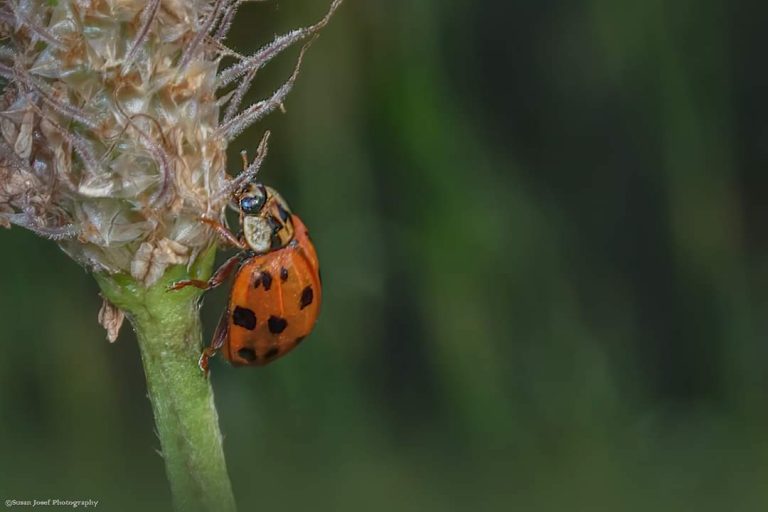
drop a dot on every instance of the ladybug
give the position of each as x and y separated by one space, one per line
275 298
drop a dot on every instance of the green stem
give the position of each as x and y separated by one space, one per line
167 326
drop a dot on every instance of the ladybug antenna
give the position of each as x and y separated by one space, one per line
249 170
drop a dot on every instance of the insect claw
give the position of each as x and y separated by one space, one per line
178 285
202 363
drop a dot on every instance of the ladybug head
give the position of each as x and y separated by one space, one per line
265 218
252 198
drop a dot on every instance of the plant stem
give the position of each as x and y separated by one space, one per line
168 329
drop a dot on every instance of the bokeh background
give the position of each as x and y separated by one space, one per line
542 230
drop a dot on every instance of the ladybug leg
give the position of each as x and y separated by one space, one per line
224 233
219 337
218 277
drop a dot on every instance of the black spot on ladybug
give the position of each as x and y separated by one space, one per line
306 297
248 354
306 233
264 278
283 274
244 317
299 340
272 352
277 324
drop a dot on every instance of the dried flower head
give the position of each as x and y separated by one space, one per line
115 116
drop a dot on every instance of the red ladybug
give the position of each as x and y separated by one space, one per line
275 299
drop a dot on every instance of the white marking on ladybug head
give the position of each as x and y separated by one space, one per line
258 233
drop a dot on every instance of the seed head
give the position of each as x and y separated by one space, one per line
115 116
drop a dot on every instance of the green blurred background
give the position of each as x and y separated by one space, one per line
541 226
